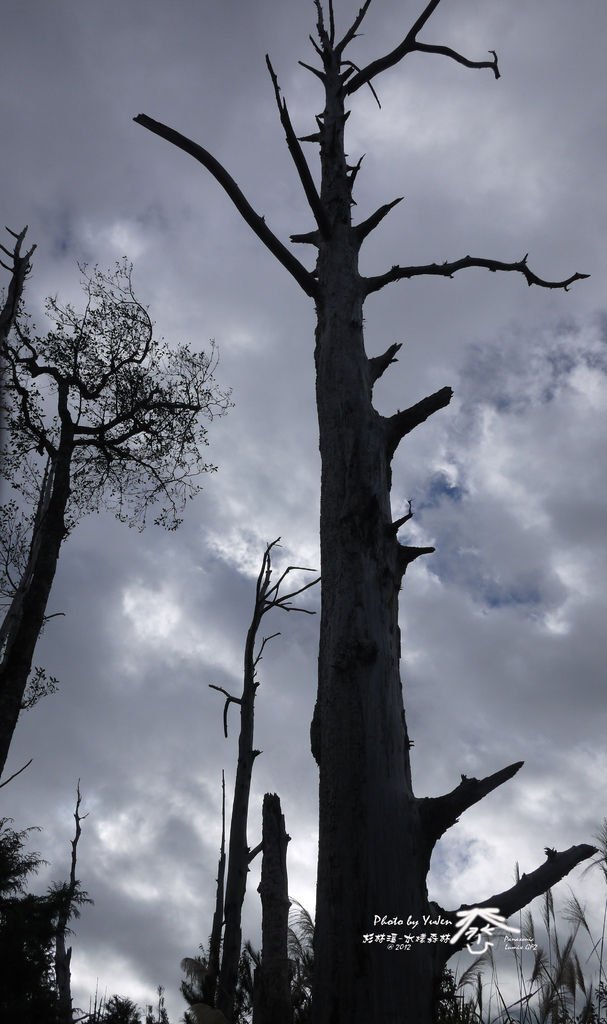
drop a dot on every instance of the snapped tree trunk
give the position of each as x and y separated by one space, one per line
375 836
272 992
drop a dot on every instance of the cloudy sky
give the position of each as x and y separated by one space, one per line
503 655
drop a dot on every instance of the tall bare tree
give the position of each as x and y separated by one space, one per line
70 895
268 595
99 413
376 836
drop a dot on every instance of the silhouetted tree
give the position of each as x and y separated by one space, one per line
69 896
219 981
120 1010
272 1002
268 596
99 414
27 933
375 836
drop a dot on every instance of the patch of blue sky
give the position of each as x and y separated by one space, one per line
497 595
518 371
440 487
490 592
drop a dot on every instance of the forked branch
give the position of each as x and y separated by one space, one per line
396 273
408 45
354 27
298 157
367 226
257 223
270 596
323 35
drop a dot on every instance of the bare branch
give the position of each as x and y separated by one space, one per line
265 641
298 158
15 774
409 45
407 554
315 71
446 51
367 226
303 277
290 568
283 601
379 364
314 137
528 887
317 48
308 238
354 27
229 700
373 284
396 525
423 18
331 23
404 422
322 32
441 812
354 171
351 68
256 849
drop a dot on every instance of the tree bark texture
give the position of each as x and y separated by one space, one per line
370 854
272 993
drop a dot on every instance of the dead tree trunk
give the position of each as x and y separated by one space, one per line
209 985
267 596
376 836
272 992
63 954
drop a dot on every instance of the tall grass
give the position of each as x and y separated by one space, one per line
557 987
